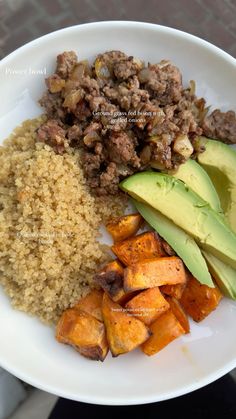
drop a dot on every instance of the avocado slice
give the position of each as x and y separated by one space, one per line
224 275
184 245
219 161
185 208
198 180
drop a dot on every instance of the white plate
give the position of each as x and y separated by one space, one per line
28 348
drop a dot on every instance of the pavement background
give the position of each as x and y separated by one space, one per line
24 20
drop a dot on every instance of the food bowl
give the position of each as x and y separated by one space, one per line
28 348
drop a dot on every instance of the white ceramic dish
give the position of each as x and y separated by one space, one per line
28 348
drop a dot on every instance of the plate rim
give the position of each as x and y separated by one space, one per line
181 391
123 23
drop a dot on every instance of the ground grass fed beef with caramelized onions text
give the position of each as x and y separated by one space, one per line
125 115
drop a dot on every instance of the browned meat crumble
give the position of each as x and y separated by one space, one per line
221 126
125 116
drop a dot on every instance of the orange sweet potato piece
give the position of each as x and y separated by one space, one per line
199 300
125 297
179 313
144 246
110 279
148 305
123 227
164 330
175 291
154 272
91 304
85 333
124 332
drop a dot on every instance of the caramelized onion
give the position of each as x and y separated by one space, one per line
144 75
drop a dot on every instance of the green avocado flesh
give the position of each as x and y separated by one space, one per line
219 161
184 245
198 180
186 209
224 275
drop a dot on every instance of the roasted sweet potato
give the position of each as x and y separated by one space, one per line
85 333
123 227
91 304
154 272
179 313
199 300
164 330
124 332
148 305
138 248
175 291
127 296
110 279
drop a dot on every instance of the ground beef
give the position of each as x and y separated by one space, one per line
109 180
127 95
82 111
90 86
92 134
53 134
164 82
121 149
126 67
161 152
74 133
221 125
65 63
129 99
106 61
52 104
95 103
124 115
91 164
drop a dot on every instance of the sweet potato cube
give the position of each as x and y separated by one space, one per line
164 330
199 300
175 291
110 279
138 248
154 273
85 333
125 297
148 305
123 227
91 304
124 332
179 313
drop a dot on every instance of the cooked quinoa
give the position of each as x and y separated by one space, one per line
49 225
